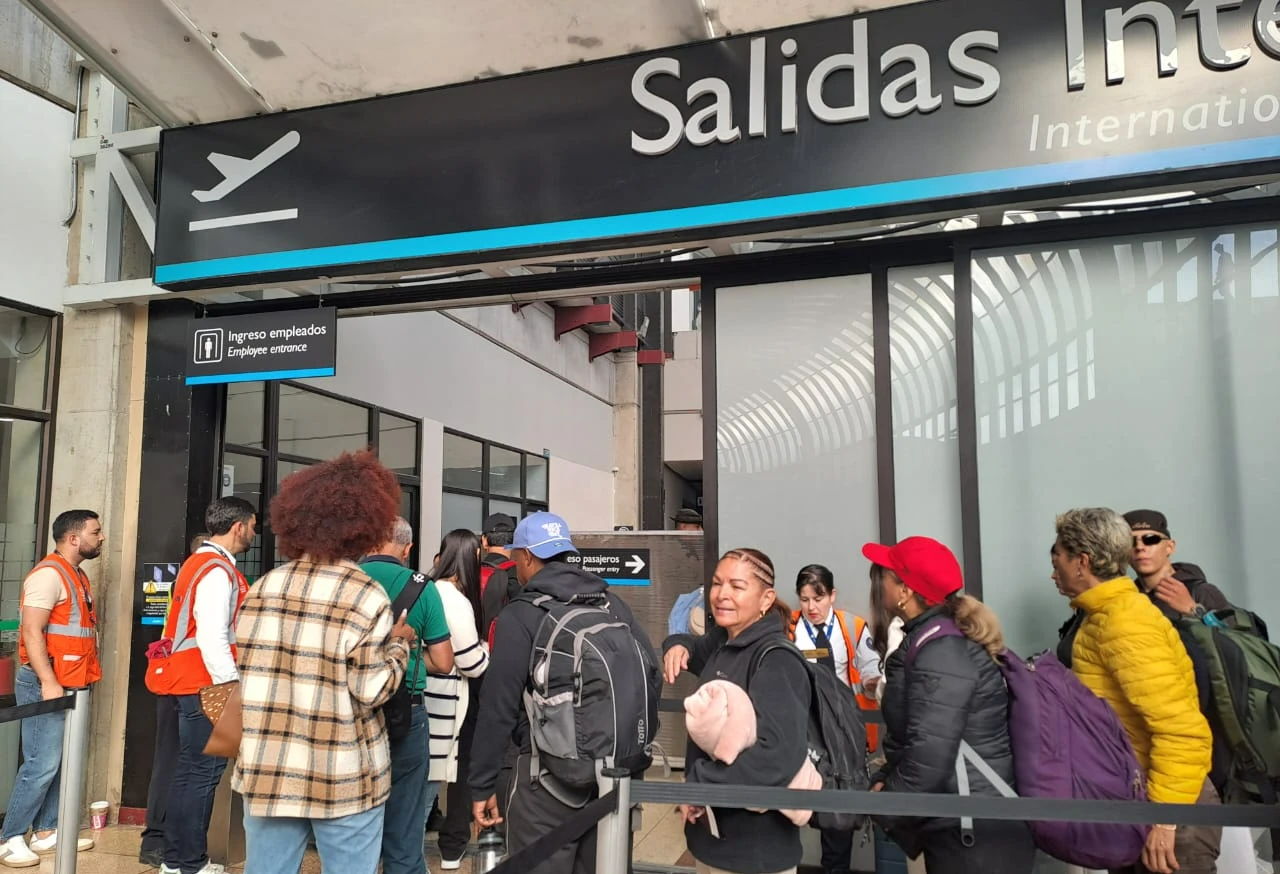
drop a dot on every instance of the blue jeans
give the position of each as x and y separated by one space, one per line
349 844
195 780
411 797
36 789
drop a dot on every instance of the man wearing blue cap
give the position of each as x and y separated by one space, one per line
536 803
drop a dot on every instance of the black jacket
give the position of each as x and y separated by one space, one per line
501 716
751 843
954 691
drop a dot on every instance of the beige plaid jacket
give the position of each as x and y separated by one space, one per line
316 660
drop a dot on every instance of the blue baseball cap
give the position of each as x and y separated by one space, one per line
543 534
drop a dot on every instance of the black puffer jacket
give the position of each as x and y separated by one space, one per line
954 691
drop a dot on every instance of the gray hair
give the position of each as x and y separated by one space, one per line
401 532
1100 533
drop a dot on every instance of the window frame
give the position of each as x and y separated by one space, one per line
272 457
485 493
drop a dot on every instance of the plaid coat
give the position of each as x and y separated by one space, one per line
316 660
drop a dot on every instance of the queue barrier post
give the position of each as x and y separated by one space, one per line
75 759
613 834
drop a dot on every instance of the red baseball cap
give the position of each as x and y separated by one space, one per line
924 565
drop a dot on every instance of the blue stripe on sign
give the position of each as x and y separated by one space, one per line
265 374
716 214
628 582
151 620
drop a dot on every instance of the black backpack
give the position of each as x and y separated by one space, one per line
837 735
398 709
592 697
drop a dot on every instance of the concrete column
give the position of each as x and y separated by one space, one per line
626 439
97 448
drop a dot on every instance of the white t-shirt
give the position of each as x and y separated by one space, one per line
866 660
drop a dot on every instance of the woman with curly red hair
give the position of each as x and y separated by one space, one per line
318 653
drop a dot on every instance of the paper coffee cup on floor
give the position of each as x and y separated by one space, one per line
98 814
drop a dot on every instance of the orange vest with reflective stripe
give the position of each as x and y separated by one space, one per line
72 636
185 670
855 677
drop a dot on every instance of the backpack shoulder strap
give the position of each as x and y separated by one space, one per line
410 594
772 646
934 629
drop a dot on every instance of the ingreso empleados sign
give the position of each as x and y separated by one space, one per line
950 103
297 344
617 567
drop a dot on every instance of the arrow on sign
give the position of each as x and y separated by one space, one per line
636 564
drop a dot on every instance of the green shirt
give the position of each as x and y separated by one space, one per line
426 617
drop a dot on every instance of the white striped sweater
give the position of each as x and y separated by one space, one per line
448 695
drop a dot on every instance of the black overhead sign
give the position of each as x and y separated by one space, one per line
617 567
297 344
947 103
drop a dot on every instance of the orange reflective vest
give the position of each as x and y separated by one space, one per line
865 702
182 672
72 635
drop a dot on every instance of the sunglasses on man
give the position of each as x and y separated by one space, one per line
1148 539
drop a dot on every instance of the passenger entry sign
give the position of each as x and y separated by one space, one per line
297 344
617 567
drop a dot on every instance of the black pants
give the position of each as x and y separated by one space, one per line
998 848
455 834
837 850
531 812
163 763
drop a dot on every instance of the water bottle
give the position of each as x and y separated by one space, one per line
490 850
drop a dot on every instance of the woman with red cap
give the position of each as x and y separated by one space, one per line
942 692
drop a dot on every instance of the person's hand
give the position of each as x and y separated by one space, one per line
870 685
51 690
486 812
1176 595
690 812
1157 855
402 630
878 787
675 661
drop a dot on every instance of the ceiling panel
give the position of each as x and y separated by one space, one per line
194 61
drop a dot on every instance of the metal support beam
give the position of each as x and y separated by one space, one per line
130 142
575 317
102 231
125 174
603 344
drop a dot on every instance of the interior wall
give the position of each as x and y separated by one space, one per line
35 178
493 374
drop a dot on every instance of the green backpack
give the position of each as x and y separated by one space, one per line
1245 675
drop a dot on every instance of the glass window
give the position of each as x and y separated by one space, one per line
460 511
535 477
242 477
246 406
504 472
1128 373
317 426
796 424
463 463
398 443
285 469
511 508
20 450
24 358
926 450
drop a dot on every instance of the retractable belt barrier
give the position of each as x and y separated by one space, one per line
956 806
676 705
24 711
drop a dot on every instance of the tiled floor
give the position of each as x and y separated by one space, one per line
659 841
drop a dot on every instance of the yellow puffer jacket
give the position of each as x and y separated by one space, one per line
1129 654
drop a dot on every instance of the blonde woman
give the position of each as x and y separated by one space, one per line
449 696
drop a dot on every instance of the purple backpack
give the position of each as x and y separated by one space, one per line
1067 743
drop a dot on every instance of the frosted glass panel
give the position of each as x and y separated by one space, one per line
796 427
926 451
1134 373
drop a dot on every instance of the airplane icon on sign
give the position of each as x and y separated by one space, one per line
238 171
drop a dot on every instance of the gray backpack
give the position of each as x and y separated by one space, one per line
592 698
